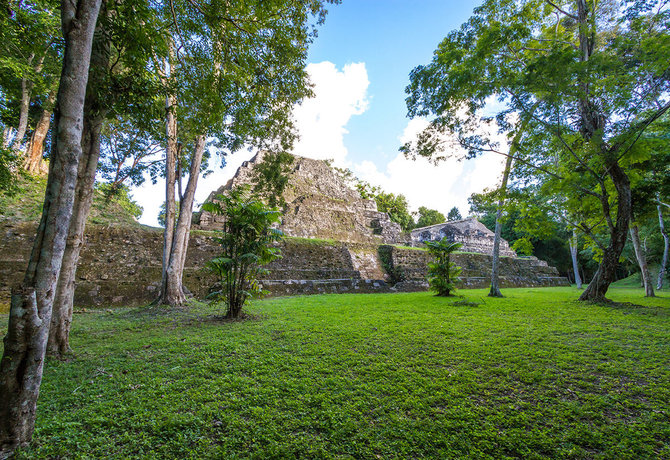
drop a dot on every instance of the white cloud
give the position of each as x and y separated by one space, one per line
321 120
441 186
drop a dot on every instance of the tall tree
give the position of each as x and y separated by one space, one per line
454 214
30 313
235 75
590 78
118 84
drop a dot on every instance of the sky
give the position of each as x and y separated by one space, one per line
360 65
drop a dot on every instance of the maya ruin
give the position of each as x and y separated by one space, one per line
337 242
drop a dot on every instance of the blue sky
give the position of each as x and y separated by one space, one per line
359 65
391 37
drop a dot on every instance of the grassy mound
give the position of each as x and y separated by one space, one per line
533 375
25 205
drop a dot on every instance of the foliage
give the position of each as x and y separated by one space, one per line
270 177
396 207
114 206
365 376
162 211
395 274
454 214
128 154
578 84
442 272
246 245
9 170
429 217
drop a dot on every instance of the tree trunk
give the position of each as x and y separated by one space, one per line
95 111
26 93
170 179
34 163
641 261
575 264
495 279
30 315
173 293
26 89
604 276
664 261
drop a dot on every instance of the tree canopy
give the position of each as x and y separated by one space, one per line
579 84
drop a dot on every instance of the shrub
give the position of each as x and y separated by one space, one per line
246 242
442 272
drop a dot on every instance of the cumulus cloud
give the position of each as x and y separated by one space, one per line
441 186
322 120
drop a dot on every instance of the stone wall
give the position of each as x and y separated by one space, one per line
476 269
121 266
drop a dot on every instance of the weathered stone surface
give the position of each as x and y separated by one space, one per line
476 270
319 204
120 266
474 236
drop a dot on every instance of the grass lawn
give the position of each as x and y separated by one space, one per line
533 375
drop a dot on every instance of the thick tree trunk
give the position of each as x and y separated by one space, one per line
641 261
604 276
664 260
170 180
573 253
95 111
34 152
495 279
30 315
173 293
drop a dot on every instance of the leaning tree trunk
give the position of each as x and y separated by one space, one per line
173 293
30 313
34 163
495 278
606 273
573 253
641 261
664 260
95 111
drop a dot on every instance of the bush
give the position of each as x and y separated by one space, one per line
442 272
246 242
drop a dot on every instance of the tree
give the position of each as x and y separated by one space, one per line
442 272
30 312
454 214
118 83
230 80
429 217
270 177
396 207
580 83
30 60
246 242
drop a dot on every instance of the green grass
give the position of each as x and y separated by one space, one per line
533 375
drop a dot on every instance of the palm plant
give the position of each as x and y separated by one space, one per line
247 244
442 272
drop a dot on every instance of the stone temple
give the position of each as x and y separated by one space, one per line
471 233
319 204
337 242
